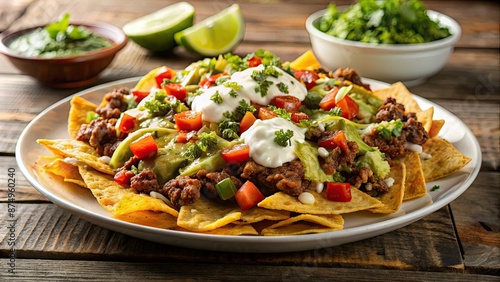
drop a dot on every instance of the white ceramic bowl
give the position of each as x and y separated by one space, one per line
410 63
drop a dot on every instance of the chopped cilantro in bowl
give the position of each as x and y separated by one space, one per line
382 22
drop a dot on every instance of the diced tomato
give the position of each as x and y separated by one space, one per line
298 116
307 77
266 113
144 147
328 102
334 140
163 73
139 95
127 123
123 177
338 192
254 61
247 121
350 109
176 90
289 103
188 120
209 81
237 154
248 195
182 137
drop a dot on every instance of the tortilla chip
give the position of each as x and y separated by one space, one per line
436 127
257 214
282 201
305 224
402 95
76 149
415 181
150 218
425 117
444 159
394 197
119 200
204 215
235 230
67 171
78 114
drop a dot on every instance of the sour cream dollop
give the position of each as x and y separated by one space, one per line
213 110
264 150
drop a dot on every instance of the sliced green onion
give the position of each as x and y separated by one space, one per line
342 92
226 189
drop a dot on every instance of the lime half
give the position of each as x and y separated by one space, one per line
215 35
156 31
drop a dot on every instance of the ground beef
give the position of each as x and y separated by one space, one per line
339 158
364 180
393 148
416 132
97 133
287 178
351 75
145 182
390 110
210 179
182 190
115 105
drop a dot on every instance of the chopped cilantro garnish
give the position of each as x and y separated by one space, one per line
207 141
283 88
229 129
335 111
434 188
280 112
240 111
193 151
217 98
283 138
233 93
261 78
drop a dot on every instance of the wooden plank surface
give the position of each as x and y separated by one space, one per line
49 232
81 270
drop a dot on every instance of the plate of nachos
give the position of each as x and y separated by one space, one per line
249 154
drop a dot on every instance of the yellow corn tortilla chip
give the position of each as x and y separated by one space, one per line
393 198
119 200
444 159
204 215
257 214
402 95
436 127
282 201
67 171
78 150
78 114
150 218
235 230
305 224
425 117
415 181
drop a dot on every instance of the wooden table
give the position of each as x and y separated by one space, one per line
461 241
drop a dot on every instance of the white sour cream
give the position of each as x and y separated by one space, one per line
213 112
260 138
295 88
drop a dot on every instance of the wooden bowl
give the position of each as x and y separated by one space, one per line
71 71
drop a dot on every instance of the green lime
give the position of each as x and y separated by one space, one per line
156 31
217 34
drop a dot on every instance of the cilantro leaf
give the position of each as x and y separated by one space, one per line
283 138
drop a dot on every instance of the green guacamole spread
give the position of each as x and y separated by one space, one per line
58 39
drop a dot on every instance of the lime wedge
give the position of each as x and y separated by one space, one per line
156 31
217 34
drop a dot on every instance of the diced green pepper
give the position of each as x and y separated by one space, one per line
91 116
226 188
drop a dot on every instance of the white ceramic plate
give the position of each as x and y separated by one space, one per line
52 124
